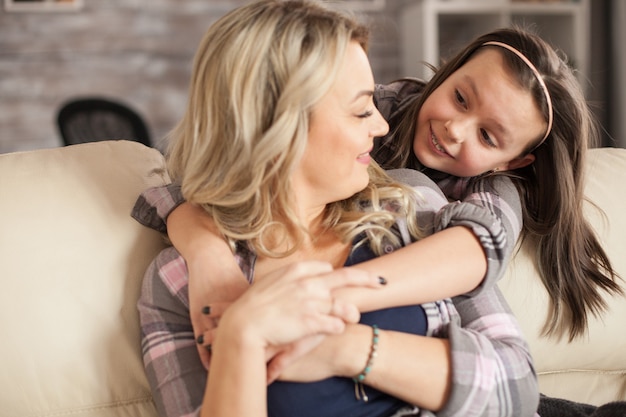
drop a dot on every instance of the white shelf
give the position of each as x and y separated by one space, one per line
436 29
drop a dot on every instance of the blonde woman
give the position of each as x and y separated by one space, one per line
274 146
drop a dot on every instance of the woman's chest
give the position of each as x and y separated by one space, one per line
333 252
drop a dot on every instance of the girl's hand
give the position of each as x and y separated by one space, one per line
214 275
210 284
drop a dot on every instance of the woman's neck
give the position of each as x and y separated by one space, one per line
318 243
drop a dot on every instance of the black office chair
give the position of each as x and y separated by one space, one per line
93 119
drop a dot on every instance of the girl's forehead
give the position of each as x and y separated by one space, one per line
485 57
487 65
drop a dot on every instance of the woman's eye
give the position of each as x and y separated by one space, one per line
459 98
486 138
365 115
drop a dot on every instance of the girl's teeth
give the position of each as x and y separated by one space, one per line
436 143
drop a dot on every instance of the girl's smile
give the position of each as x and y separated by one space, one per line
437 146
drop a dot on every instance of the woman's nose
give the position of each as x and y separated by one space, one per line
380 126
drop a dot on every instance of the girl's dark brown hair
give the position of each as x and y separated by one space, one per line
574 267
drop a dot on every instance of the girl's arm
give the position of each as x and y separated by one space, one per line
448 263
470 243
445 264
471 247
206 253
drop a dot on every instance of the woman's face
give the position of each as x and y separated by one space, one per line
479 119
341 134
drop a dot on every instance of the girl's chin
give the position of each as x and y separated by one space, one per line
424 155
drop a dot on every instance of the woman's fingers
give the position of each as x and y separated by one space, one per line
294 302
345 311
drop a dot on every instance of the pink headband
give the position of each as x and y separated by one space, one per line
539 79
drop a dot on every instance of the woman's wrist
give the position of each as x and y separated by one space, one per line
353 350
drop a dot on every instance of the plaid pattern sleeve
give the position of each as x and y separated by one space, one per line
173 368
493 211
155 204
492 370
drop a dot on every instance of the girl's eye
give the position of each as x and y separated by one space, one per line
365 115
486 138
459 98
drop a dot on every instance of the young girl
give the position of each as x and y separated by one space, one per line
573 265
275 144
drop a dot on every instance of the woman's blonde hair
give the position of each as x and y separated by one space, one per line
258 73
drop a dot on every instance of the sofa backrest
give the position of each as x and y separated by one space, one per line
71 264
591 369
72 260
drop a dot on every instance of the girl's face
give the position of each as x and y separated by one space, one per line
341 134
479 119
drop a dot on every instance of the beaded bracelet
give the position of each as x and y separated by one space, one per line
359 390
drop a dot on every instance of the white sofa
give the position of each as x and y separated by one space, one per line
71 262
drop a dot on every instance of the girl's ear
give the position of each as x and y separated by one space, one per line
520 162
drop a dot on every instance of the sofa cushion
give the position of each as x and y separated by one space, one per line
72 260
592 369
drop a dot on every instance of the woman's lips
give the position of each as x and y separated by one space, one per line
365 157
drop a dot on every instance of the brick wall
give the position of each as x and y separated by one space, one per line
137 51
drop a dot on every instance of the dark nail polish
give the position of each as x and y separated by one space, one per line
208 348
200 339
382 281
206 310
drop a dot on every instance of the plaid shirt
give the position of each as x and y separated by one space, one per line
492 372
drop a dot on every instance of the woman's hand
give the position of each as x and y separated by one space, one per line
294 304
307 360
326 359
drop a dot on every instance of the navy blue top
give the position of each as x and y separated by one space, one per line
336 396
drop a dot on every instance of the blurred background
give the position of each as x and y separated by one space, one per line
139 52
